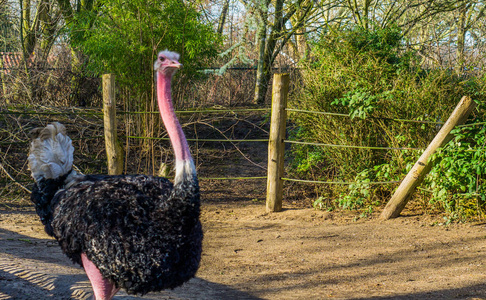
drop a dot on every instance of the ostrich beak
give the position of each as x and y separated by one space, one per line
174 64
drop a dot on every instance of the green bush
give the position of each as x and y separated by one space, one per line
124 37
457 181
362 74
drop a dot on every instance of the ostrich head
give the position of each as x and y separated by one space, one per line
167 62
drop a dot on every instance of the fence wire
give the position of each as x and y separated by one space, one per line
234 111
363 147
99 113
340 182
349 146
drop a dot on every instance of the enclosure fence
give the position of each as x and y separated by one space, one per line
401 196
276 141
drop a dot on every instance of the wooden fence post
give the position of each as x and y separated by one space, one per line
416 175
114 151
276 146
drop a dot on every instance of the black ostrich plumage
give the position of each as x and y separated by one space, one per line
142 232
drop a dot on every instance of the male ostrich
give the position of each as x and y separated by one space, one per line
136 232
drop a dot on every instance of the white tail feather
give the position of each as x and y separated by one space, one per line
51 152
184 170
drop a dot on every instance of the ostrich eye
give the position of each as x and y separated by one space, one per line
162 58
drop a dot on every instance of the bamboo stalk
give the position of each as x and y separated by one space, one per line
416 175
276 146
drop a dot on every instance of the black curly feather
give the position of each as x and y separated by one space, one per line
141 232
42 194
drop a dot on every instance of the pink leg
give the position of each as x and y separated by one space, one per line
103 289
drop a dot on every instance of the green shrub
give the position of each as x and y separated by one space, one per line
124 37
363 75
457 180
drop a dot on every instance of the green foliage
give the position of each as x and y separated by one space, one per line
368 78
458 178
123 37
358 194
361 103
304 158
383 44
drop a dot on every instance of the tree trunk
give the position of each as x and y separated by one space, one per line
268 50
25 28
265 63
222 17
302 45
461 36
261 86
30 28
261 83
48 29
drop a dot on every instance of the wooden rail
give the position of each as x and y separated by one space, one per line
423 166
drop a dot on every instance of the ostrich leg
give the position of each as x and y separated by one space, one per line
103 289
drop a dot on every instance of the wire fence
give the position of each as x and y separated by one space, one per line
333 114
92 112
236 111
16 172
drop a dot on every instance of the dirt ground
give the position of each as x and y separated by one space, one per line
296 254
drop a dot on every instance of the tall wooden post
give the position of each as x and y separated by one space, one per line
114 151
416 175
276 146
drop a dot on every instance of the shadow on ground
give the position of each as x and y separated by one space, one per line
474 292
32 268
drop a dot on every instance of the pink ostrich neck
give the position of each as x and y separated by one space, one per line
174 129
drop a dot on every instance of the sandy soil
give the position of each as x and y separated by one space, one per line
295 254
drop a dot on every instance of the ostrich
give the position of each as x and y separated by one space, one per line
136 232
